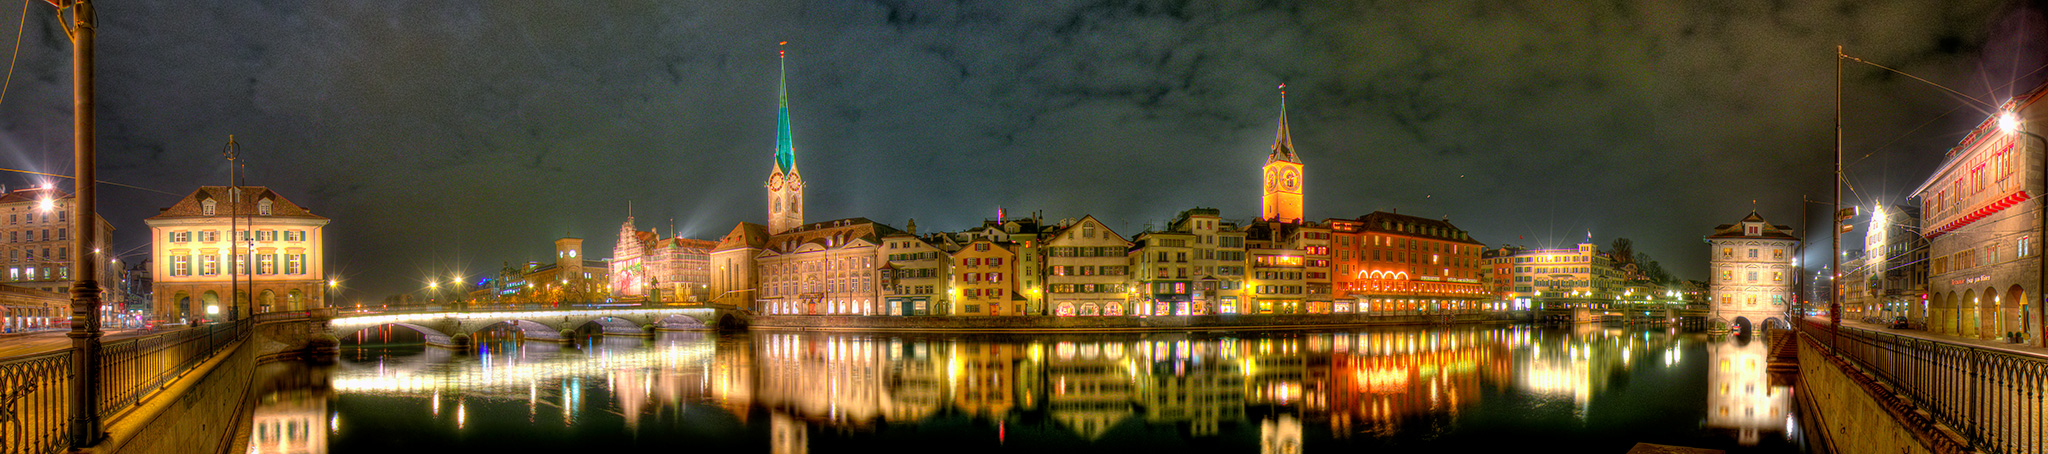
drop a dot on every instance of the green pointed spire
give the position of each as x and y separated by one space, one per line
785 151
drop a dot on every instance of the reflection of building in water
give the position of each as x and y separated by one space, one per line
732 375
1740 396
786 435
1089 386
1376 380
1192 382
1273 369
293 421
1280 435
1581 363
665 375
914 379
984 382
835 379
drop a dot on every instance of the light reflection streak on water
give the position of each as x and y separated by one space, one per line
1375 382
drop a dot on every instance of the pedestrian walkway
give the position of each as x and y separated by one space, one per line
1995 344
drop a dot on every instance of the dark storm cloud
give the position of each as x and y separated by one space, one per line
457 135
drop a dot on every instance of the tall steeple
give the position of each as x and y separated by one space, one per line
1281 198
785 150
785 184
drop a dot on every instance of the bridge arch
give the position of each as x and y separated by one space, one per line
2017 318
681 322
1741 326
527 330
610 326
433 336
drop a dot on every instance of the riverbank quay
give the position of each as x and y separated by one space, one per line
1051 324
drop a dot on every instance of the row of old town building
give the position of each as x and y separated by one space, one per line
1960 260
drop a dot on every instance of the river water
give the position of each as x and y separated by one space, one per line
1584 388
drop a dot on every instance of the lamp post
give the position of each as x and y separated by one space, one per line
85 293
2010 123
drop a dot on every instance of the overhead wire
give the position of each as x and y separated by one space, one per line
19 29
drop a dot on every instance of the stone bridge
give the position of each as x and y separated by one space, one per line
453 328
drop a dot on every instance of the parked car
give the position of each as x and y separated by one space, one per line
1899 322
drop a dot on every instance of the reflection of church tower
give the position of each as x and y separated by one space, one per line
1282 194
785 185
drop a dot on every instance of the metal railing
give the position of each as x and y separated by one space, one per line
135 367
35 403
35 398
1994 397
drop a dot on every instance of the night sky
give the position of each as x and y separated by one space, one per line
454 136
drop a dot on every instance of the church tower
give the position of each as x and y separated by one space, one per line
785 185
1282 195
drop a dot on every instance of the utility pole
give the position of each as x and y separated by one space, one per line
85 288
1835 218
233 151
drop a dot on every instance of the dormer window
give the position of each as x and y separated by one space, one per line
263 207
206 207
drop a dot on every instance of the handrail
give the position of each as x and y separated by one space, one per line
35 388
1997 398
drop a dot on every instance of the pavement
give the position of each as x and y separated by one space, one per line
2029 348
18 344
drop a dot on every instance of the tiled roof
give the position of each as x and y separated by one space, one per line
1770 231
32 195
744 235
191 205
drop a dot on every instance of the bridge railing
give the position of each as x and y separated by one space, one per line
35 398
1994 397
524 307
35 403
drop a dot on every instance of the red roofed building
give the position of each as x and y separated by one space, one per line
281 262
36 243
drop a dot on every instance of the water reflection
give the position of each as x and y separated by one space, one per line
1436 387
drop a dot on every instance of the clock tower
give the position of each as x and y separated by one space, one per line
785 185
1281 199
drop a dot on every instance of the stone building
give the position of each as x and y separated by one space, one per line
1195 266
1751 266
1390 262
1981 212
37 245
279 263
1087 270
915 274
985 279
1897 256
825 268
646 267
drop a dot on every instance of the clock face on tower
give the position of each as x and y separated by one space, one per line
1288 181
1271 179
775 181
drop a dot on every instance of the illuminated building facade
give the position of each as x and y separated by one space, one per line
1751 268
1897 258
1497 268
572 278
194 254
735 280
1392 262
1277 275
39 260
1196 266
1087 271
1981 215
915 274
825 268
646 267
985 279
1566 278
1022 238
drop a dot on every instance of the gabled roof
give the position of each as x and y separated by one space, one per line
745 235
1372 223
1056 233
192 206
1778 232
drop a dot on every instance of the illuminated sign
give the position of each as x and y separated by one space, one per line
1970 280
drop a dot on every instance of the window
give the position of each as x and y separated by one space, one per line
2024 247
1752 252
206 208
60 234
209 265
263 207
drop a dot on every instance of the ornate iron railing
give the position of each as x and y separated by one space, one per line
133 368
35 403
35 398
1994 397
